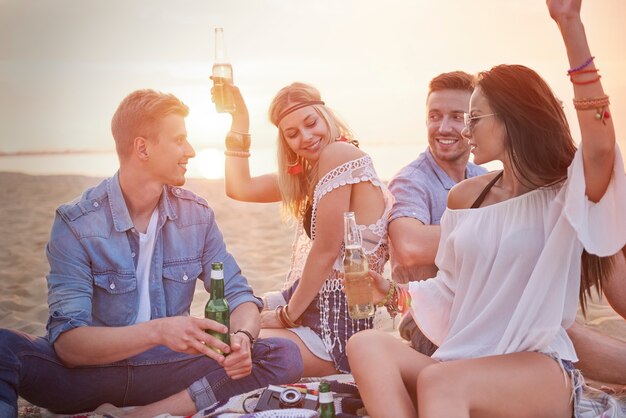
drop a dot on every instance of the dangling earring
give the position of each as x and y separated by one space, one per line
294 168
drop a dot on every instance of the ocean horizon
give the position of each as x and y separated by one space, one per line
208 163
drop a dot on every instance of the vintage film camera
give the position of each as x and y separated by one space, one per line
277 397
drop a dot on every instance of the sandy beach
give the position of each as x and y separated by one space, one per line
254 234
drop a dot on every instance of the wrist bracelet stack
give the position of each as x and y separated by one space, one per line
397 300
600 103
283 317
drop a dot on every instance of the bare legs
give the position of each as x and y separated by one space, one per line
178 404
392 376
386 370
313 366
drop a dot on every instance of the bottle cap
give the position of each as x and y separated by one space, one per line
217 271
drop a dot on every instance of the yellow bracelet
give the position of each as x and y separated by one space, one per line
392 285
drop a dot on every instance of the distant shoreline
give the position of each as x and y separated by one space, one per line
53 152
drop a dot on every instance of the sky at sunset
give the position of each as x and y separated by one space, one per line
66 64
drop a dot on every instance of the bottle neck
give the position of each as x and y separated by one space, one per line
220 47
217 288
352 235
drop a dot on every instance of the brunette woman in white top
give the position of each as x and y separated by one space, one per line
499 306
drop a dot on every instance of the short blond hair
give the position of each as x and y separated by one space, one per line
138 114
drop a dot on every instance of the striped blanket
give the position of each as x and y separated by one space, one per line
593 404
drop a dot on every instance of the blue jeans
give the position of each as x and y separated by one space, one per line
30 368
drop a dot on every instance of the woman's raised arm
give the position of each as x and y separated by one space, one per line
590 101
238 182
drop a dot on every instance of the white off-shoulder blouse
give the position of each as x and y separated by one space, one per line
509 273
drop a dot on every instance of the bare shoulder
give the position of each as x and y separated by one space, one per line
465 193
335 154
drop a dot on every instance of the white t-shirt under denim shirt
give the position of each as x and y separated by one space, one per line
146 249
509 273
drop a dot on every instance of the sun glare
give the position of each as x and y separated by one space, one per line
209 162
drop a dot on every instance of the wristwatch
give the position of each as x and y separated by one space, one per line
250 337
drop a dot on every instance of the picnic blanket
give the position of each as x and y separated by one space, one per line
594 403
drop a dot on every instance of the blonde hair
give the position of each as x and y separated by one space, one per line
138 114
297 190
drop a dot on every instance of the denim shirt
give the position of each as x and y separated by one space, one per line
93 252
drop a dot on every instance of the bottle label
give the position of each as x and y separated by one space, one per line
217 274
326 397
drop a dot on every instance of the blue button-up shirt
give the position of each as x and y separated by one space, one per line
421 189
421 192
93 252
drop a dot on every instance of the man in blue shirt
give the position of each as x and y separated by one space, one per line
421 189
124 259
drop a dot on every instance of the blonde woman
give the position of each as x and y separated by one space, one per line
321 174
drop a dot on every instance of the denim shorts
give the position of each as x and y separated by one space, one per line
340 324
576 379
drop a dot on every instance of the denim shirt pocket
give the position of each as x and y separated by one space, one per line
115 299
179 284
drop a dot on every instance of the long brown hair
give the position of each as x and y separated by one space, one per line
539 143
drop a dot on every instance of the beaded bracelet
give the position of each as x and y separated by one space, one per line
388 295
591 102
392 303
238 154
599 104
581 66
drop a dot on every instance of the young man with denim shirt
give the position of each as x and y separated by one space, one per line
421 189
119 329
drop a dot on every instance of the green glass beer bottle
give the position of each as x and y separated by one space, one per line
217 307
327 404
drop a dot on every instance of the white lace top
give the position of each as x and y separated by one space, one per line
375 242
509 273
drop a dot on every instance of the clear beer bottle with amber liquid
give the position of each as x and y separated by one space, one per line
217 307
222 72
357 282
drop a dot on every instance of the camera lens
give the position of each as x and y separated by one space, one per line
290 398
